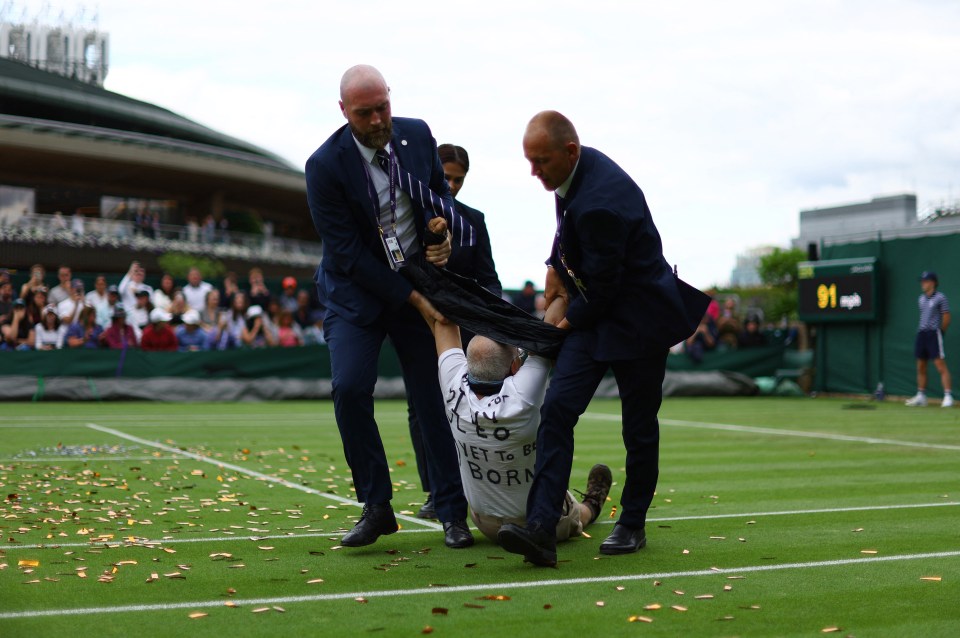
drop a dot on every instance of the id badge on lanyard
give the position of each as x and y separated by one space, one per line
388 237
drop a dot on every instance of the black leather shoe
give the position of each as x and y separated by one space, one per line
376 521
536 546
457 535
624 540
428 511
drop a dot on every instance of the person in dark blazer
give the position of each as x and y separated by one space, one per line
369 229
624 309
475 262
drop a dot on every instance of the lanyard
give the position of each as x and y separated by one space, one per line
561 214
376 199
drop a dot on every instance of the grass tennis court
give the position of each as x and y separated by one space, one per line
773 517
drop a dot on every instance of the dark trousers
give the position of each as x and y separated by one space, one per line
575 379
354 352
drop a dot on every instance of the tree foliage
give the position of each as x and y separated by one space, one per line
179 264
778 270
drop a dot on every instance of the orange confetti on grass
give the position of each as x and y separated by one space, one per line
198 614
639 619
868 551
28 563
493 597
678 607
936 579
600 603
230 603
830 630
704 597
652 607
427 630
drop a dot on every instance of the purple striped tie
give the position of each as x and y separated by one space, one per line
460 229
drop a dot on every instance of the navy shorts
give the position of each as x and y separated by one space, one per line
929 345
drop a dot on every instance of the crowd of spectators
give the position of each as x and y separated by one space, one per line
724 327
187 316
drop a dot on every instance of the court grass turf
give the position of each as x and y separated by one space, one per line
721 526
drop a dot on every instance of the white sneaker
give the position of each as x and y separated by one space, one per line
919 401
947 401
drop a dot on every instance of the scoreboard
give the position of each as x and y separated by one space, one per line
838 290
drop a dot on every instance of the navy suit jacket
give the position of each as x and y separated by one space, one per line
353 279
632 303
476 262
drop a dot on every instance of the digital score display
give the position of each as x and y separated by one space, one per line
838 290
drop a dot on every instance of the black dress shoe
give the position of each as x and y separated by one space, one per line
428 510
536 546
376 521
623 540
457 535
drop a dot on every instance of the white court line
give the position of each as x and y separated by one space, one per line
776 432
80 457
555 582
243 470
240 537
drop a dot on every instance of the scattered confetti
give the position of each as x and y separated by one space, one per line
868 551
28 563
198 614
314 581
830 630
427 630
652 607
600 603
439 611
639 619
678 607
932 578
704 597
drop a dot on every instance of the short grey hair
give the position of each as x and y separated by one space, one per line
489 361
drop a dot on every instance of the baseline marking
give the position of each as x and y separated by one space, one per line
243 470
240 537
799 433
472 588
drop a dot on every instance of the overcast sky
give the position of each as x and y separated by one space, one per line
731 116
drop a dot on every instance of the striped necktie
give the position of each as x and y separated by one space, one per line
460 229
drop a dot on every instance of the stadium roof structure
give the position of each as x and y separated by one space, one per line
55 130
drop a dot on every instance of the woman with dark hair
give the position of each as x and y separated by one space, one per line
49 333
475 262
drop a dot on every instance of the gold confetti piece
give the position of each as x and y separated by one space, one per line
439 611
718 538
280 609
28 563
652 607
656 583
868 551
81 574
679 592
153 577
600 603
198 614
704 597
314 581
830 630
686 551
678 607
260 610
125 562
236 566
230 603
933 578
169 550
174 575
266 548
727 587
585 535
620 587
725 618
742 539
360 599
859 529
427 630
31 582
735 577
639 619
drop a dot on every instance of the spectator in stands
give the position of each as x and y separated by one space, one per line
728 323
196 289
6 301
105 313
527 299
703 339
120 335
208 229
713 309
49 333
190 335
62 290
177 307
288 298
86 332
69 309
257 294
77 223
254 334
99 298
37 273
4 273
162 297
193 230
132 283
139 315
304 315
288 332
18 334
210 312
750 336
232 324
228 289
159 336
35 306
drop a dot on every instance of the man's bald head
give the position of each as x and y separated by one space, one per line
489 361
361 76
365 102
552 147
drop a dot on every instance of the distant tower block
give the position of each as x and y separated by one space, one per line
76 52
